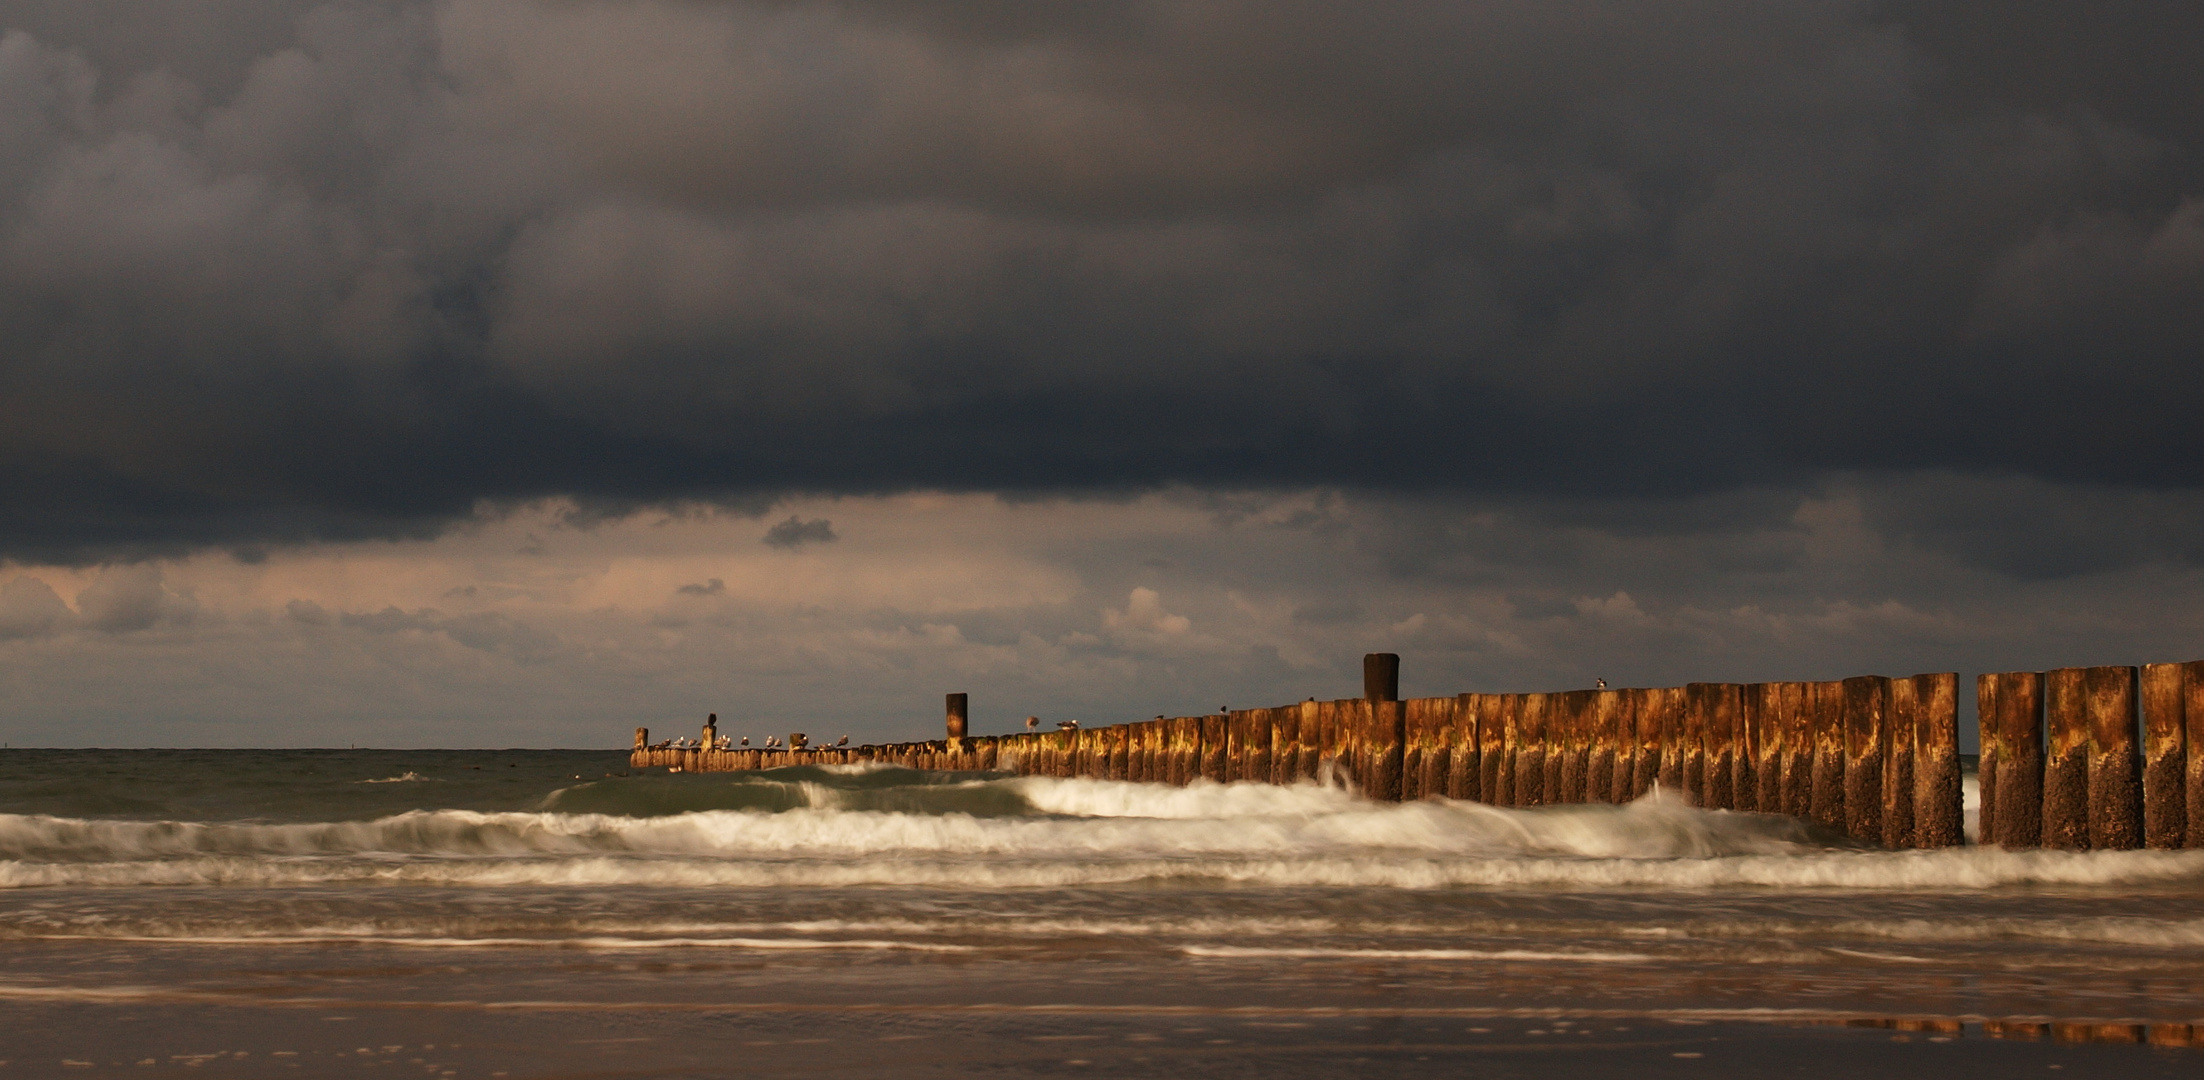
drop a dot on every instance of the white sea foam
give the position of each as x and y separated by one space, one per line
1075 832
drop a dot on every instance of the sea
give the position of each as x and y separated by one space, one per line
531 913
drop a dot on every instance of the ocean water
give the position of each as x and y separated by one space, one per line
550 913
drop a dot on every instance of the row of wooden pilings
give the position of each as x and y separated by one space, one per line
1874 758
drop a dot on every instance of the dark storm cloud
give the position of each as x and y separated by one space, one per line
276 271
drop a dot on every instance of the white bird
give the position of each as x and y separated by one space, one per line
746 740
1602 683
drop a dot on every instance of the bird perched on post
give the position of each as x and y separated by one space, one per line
1032 723
746 740
843 741
1602 683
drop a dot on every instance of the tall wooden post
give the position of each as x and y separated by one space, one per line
1214 743
1530 750
1495 773
1897 792
1794 700
2192 708
1698 711
2115 761
1606 746
2165 757
1668 701
957 716
2066 759
1464 778
1866 703
1938 817
1647 716
2022 753
1826 701
1380 677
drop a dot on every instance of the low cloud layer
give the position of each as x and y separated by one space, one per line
277 271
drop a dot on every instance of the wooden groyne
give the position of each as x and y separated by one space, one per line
2064 762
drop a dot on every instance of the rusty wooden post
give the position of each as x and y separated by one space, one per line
1118 746
1745 778
957 715
1259 767
1464 777
1309 748
2192 708
1531 720
1573 743
2115 761
1384 724
1332 758
1827 719
1423 752
1136 752
1235 745
2023 748
1990 761
1897 794
987 756
2165 755
1648 764
1717 789
1622 784
1213 746
1692 742
1498 731
1866 704
1380 677
1605 740
1285 734
2066 759
1795 700
1185 741
1768 757
1938 817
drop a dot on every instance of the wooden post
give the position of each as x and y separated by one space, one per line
1574 741
2115 761
1384 724
1698 709
1897 792
642 738
1938 818
1235 745
1622 785
1333 757
1259 766
1745 778
1826 716
1213 747
1498 726
1308 739
1990 760
1185 750
1530 749
1607 745
957 715
1866 704
1464 777
1718 785
2066 759
1285 734
2022 750
1424 757
1794 700
2192 708
1647 763
2165 757
1380 677
1768 758
1669 701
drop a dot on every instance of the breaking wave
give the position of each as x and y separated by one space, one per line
884 826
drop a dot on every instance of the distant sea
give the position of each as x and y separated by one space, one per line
554 914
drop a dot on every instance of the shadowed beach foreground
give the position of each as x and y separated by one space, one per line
252 913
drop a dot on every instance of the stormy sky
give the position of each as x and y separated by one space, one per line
487 372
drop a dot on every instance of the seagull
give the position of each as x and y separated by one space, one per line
1032 722
1602 683
746 740
843 741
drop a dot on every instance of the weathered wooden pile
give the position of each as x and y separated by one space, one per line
2064 765
1874 758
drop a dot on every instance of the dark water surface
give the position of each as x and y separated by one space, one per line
542 913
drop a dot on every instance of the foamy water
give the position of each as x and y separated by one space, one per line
811 870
